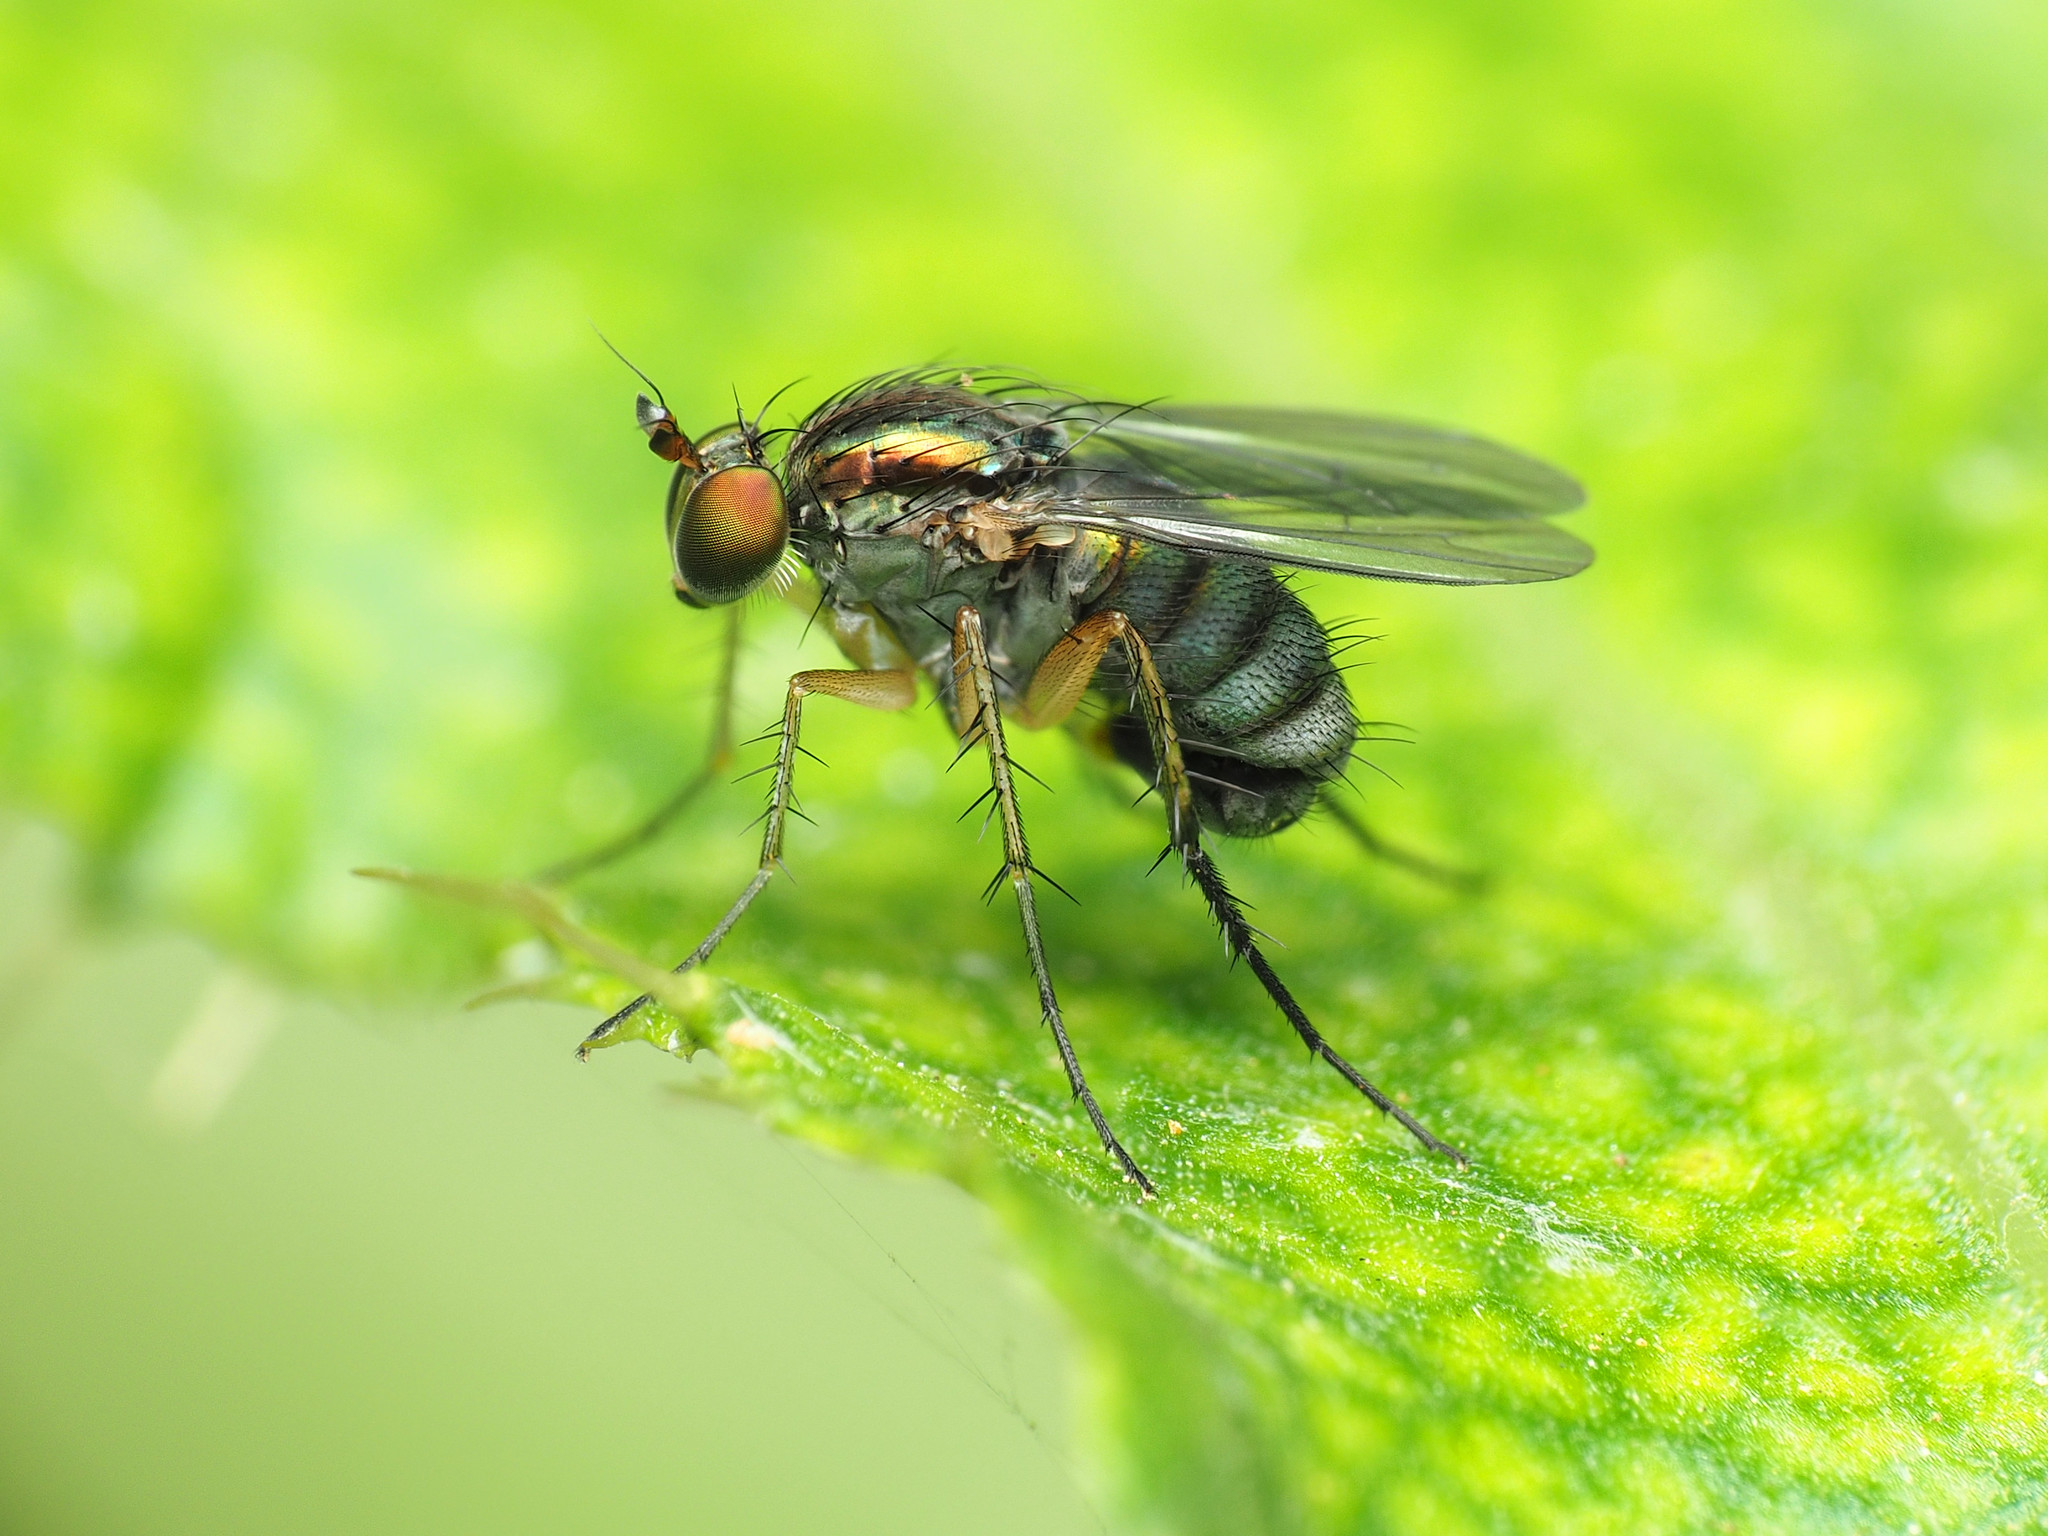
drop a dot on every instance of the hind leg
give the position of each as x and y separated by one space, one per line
1055 689
1470 881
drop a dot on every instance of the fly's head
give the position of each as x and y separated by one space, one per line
728 521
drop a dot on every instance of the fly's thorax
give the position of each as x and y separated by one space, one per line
857 562
908 503
921 440
892 601
909 457
1022 619
952 471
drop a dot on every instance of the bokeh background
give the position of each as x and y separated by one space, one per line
326 539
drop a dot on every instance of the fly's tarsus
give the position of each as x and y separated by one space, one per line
696 958
1242 941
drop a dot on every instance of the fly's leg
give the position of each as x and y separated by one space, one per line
1061 679
1239 936
1420 865
977 715
877 690
716 761
1055 689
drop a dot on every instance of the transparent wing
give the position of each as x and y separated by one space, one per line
1356 494
1462 555
1367 465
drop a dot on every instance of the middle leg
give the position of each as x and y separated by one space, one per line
978 715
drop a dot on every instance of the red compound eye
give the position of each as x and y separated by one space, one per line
733 530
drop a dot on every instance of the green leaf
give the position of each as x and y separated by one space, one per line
1744 1241
329 543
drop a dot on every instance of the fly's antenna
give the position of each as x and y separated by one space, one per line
655 418
615 352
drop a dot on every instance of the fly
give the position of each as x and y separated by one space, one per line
1019 547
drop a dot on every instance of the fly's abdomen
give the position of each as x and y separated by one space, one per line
1262 714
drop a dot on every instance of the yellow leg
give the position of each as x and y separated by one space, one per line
1061 679
877 690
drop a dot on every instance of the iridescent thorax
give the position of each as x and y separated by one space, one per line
907 508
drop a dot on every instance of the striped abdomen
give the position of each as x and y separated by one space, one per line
1263 717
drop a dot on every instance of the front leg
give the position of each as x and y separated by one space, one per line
978 715
717 758
877 690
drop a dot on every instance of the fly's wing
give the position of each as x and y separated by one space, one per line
1354 494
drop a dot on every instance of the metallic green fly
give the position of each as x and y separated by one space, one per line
1021 547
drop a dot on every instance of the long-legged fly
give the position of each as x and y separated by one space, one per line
1020 547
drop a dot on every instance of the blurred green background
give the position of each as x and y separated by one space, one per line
328 541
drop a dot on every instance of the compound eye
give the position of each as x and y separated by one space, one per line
733 530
